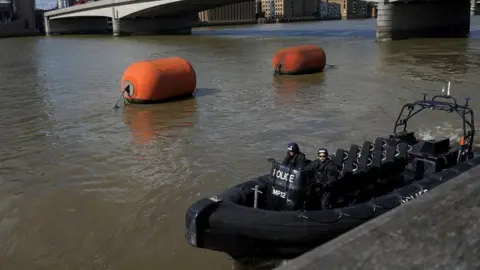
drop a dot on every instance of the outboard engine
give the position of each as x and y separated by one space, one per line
288 189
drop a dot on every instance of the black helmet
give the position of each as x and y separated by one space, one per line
293 147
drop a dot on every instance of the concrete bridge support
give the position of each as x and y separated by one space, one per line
442 18
167 26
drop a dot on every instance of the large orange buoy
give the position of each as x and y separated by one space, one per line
154 81
301 59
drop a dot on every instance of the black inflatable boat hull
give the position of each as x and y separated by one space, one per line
221 223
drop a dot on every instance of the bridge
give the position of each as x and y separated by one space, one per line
129 16
396 19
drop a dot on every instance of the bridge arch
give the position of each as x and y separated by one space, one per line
132 8
169 7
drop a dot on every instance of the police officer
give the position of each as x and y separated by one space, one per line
294 158
324 174
326 171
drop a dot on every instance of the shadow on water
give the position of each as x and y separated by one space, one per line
150 122
200 92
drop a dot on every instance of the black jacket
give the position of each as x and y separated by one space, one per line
296 161
326 172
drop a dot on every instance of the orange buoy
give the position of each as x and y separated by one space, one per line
154 81
301 59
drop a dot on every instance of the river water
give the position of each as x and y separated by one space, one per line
84 186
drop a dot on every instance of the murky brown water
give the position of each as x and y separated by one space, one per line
83 186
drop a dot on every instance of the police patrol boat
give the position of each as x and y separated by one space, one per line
245 221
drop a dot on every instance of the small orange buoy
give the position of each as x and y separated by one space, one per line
154 81
301 59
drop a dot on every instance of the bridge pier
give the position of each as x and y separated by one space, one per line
166 25
443 18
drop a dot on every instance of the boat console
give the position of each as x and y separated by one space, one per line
431 156
288 189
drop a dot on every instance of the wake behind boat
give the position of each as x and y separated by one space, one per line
277 216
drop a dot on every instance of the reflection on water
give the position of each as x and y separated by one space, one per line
299 87
150 122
